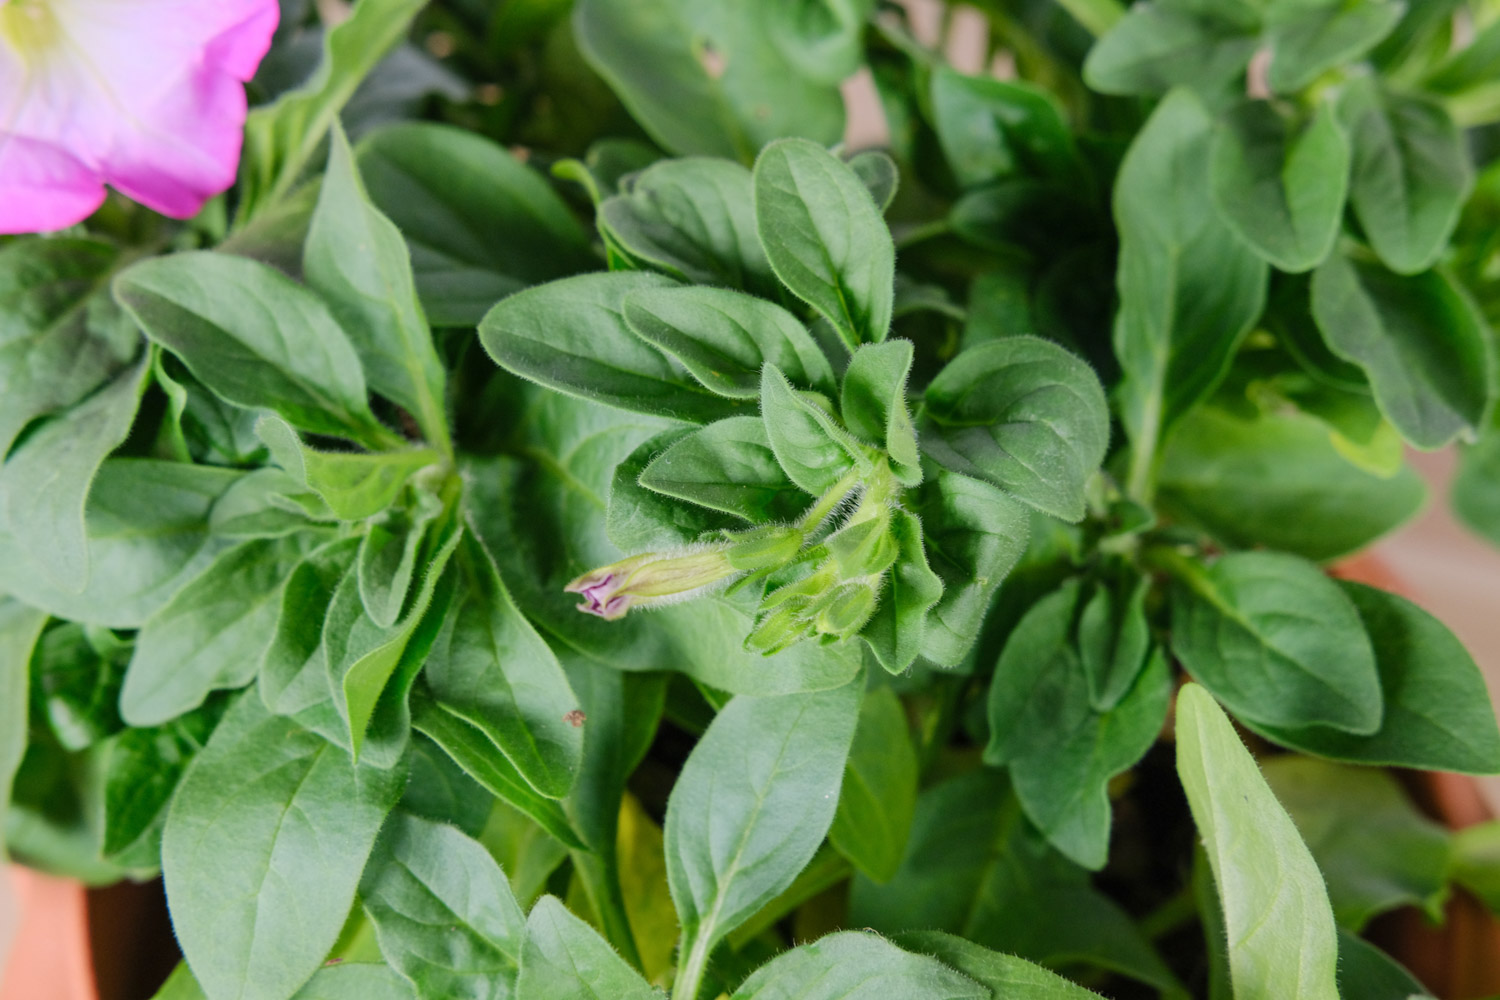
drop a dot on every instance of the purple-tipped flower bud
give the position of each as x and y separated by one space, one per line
649 580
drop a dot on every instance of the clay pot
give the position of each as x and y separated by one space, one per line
49 954
68 942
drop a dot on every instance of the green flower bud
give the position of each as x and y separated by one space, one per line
786 625
846 610
864 547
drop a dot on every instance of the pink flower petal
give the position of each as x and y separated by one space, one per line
43 188
190 151
147 95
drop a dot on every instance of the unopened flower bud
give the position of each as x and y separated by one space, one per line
847 610
786 625
864 548
651 580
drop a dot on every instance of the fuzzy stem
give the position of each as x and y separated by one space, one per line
690 976
1172 914
829 501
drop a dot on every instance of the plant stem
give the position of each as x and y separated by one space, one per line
1096 16
926 231
1173 913
604 892
690 974
1140 483
828 501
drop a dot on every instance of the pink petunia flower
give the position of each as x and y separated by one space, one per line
144 95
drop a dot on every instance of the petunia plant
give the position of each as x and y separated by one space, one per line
558 521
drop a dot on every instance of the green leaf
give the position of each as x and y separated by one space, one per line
282 138
388 556
345 981
1411 173
1282 938
480 225
879 794
357 261
1276 641
482 760
975 868
1308 39
361 657
20 627
1370 974
199 425
1061 753
45 482
973 533
571 335
61 336
254 337
142 769
1276 479
1026 217
825 237
76 674
872 403
708 79
724 338
180 985
728 466
1436 713
693 219
1281 192
1475 491
1024 414
440 790
147 525
566 959
355 485
529 855
1114 638
1163 44
212 634
355 981
1009 977
853 964
1190 290
824 40
1375 850
992 129
879 174
815 452
442 910
1421 341
1475 862
641 519
293 679
897 629
263 850
753 802
491 668
1467 67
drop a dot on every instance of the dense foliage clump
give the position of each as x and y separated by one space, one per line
594 534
